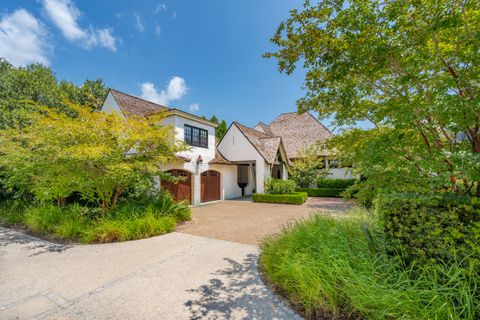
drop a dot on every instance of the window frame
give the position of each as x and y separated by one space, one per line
195 136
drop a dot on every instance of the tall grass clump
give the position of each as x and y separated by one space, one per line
336 268
150 216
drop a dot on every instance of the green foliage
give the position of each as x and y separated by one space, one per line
333 268
291 198
280 186
431 228
335 183
221 129
96 155
22 89
108 230
322 192
306 169
154 215
410 68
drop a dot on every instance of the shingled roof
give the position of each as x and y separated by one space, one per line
134 106
267 145
219 159
296 131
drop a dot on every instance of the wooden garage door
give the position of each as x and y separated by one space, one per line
210 186
181 190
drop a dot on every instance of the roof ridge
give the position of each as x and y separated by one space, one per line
136 97
238 123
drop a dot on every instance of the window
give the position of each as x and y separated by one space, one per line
196 137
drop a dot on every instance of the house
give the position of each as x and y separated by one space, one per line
239 164
299 131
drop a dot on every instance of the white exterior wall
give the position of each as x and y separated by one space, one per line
235 147
339 173
178 123
110 105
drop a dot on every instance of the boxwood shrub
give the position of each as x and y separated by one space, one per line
431 228
290 198
335 183
322 192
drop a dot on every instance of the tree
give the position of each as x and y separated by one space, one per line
221 128
94 154
307 168
409 67
23 88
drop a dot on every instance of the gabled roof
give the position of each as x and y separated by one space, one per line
262 127
265 144
135 106
298 131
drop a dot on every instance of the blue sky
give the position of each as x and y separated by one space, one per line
200 56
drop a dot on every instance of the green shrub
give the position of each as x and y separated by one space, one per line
431 228
322 192
43 218
108 230
12 211
280 186
328 268
159 204
293 198
335 183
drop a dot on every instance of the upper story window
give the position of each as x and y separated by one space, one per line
196 137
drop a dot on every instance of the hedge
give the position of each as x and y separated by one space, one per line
323 192
290 198
431 228
335 183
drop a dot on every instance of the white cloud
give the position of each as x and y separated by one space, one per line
23 39
194 107
158 29
160 7
64 14
105 39
138 23
175 90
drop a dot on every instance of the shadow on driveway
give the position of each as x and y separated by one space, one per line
11 236
241 295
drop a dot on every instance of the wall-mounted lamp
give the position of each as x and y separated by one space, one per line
199 160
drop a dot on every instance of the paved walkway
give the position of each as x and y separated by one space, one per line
247 222
175 276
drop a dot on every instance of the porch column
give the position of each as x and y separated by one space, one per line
259 175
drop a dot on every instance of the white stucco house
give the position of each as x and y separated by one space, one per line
238 165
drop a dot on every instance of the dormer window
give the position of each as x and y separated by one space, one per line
195 137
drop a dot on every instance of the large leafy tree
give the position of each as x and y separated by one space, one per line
94 154
409 67
23 88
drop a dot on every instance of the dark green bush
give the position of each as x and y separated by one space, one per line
280 186
292 198
335 183
322 192
431 228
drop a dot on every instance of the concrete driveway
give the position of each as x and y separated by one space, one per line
175 276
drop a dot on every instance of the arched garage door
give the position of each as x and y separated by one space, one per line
210 186
181 190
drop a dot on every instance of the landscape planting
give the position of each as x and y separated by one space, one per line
410 70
